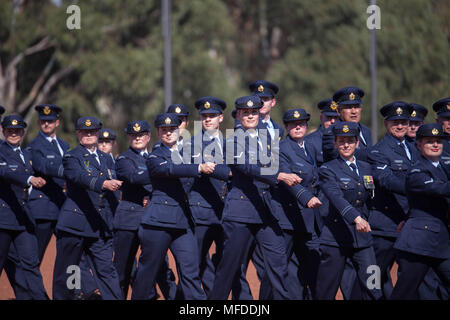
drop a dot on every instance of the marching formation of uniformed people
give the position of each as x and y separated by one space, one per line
314 213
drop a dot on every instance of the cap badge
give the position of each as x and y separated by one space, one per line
177 110
260 88
435 132
14 122
47 110
413 114
167 121
249 103
137 127
399 111
88 123
333 105
296 114
207 105
352 96
106 134
345 129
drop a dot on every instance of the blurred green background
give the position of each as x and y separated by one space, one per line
113 68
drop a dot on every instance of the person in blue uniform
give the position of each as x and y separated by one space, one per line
47 151
390 158
136 190
248 213
416 119
297 206
348 184
107 142
183 115
85 222
349 100
328 116
167 221
423 242
206 199
442 109
17 224
267 92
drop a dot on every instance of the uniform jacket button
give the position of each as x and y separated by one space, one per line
75 210
165 202
264 192
132 208
385 208
359 193
359 184
242 197
426 227
101 173
223 197
198 203
23 203
40 196
357 201
335 220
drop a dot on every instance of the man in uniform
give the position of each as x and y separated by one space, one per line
85 222
416 119
328 116
442 109
349 109
390 158
183 115
248 214
17 225
47 151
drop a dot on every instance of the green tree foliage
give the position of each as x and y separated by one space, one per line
113 66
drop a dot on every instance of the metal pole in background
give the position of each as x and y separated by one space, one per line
373 80
166 12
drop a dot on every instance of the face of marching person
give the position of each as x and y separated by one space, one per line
346 146
430 147
248 117
350 112
168 135
88 138
14 135
297 129
268 104
211 121
397 128
327 120
139 141
445 122
412 128
48 127
106 145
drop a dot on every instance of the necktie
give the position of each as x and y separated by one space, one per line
19 152
308 157
145 155
269 127
353 166
404 147
55 146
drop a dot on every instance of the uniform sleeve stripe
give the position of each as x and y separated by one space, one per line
300 193
346 209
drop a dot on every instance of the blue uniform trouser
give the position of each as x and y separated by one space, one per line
25 246
16 275
350 287
69 249
155 241
44 231
236 249
332 265
126 244
414 269
432 287
385 254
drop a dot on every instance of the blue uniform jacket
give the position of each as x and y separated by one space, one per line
293 200
249 200
426 230
348 200
14 210
206 199
314 140
330 152
86 211
46 202
169 206
389 166
131 168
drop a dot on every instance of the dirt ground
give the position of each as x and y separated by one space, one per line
6 291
